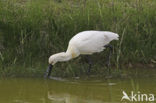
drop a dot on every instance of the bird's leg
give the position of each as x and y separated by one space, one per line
89 61
110 53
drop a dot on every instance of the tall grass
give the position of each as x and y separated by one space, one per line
30 31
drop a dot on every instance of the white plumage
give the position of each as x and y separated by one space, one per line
86 42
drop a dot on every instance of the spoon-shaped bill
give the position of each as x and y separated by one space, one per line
48 71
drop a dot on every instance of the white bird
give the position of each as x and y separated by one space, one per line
85 43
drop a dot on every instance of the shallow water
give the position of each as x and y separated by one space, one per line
30 90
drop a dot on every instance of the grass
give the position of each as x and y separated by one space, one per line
30 31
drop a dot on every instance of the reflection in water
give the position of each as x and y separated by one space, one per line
72 92
67 98
52 91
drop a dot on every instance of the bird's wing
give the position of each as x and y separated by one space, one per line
90 42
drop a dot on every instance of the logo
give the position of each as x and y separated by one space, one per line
137 97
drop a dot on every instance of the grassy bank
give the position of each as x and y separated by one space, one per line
30 31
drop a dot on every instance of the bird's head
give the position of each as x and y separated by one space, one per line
52 59
56 58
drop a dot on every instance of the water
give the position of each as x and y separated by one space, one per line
30 90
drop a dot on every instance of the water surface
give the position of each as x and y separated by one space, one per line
31 90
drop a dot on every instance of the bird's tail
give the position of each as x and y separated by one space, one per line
112 36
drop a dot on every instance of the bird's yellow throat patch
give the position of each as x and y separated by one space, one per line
73 55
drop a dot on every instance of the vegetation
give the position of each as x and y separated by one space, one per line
32 30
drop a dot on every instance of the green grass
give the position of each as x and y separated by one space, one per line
30 31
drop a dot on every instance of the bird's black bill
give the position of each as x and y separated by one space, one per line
48 71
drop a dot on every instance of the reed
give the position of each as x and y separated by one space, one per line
30 31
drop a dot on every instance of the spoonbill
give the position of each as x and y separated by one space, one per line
84 43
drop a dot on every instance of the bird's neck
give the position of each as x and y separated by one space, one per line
72 51
65 56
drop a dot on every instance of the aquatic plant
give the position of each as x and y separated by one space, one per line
30 31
